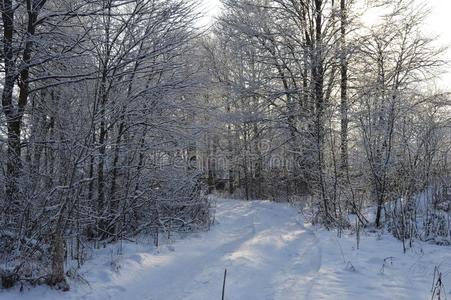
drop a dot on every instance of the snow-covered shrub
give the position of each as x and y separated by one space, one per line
179 202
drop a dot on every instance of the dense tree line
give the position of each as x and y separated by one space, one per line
98 99
344 110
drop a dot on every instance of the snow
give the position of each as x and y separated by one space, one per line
378 269
268 253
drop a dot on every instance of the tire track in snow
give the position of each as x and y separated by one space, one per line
275 257
268 254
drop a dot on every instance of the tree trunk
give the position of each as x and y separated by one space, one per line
13 151
57 275
14 113
344 90
318 85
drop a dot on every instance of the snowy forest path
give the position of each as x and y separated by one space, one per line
267 251
264 246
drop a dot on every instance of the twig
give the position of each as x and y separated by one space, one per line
223 284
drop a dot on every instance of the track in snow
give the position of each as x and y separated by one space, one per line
264 246
266 250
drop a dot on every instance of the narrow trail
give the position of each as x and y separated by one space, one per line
264 246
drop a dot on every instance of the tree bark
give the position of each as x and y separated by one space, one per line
344 90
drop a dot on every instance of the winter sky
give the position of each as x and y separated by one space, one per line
438 23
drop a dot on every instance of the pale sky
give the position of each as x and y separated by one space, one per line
210 8
438 23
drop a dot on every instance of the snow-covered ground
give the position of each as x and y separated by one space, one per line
268 253
378 269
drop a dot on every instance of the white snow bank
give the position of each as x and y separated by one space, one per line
378 269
